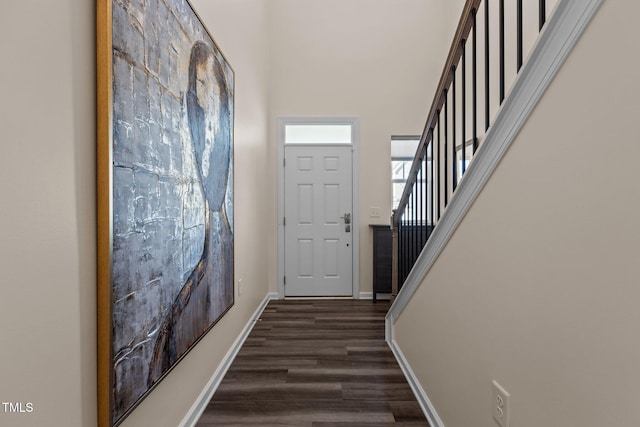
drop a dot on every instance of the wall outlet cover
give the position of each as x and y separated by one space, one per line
500 405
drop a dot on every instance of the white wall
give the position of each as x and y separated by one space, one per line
47 214
379 61
537 288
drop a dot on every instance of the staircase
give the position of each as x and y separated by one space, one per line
469 97
493 78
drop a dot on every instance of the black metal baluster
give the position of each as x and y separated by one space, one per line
406 243
425 197
422 201
416 234
519 29
419 197
409 233
486 65
418 212
542 15
501 51
454 156
446 163
405 252
410 236
474 65
416 229
427 202
464 106
432 199
399 261
438 168
416 240
401 251
414 216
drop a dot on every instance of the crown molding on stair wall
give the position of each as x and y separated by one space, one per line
554 44
205 396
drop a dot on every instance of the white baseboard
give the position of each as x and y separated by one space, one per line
427 408
369 295
205 396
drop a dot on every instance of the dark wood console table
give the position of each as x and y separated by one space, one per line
382 259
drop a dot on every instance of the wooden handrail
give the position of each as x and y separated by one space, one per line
455 52
412 222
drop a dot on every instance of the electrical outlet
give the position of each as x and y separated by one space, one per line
239 287
500 405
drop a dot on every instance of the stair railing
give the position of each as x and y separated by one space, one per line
447 145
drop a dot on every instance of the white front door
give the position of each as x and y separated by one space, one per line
318 220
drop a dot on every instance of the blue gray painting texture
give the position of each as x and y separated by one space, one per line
172 274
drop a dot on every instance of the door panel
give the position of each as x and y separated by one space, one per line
318 243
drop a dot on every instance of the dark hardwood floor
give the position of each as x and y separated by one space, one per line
315 363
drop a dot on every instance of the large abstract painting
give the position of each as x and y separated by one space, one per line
165 190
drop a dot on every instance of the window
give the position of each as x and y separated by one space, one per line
403 149
317 134
468 154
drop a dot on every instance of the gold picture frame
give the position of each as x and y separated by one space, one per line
165 110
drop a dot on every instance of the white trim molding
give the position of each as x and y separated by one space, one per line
557 39
191 418
427 408
382 296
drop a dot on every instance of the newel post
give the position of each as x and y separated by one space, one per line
394 256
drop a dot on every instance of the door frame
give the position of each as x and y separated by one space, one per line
355 137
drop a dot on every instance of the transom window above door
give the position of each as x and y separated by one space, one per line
318 134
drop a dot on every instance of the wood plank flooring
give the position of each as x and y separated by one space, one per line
315 363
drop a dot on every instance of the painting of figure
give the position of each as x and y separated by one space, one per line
171 267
